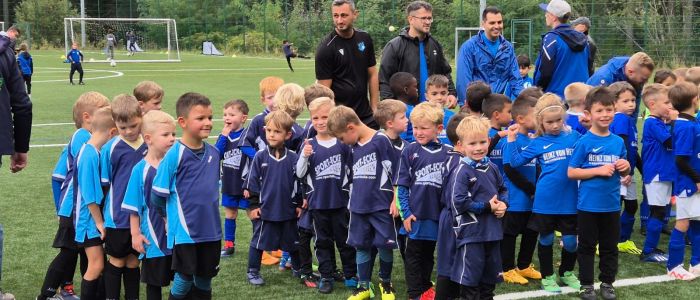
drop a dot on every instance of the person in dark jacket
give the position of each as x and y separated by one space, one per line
489 57
26 66
564 58
583 25
415 51
15 120
634 69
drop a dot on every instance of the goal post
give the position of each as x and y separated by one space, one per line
2 26
131 40
463 34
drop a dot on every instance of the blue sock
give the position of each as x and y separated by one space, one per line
694 236
386 264
230 230
182 284
56 188
644 210
654 226
676 249
364 267
626 225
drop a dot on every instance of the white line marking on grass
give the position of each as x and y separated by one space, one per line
114 74
70 123
568 290
209 70
211 137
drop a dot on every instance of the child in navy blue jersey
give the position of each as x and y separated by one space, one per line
520 182
658 169
323 166
478 200
598 162
575 95
272 189
186 191
554 206
234 167
118 157
497 108
405 88
147 227
374 167
686 149
311 93
624 125
254 134
419 187
436 91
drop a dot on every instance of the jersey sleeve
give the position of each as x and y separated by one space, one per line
165 175
658 131
252 184
134 197
391 159
106 163
61 169
520 155
578 157
250 134
404 170
681 141
371 59
462 200
619 125
324 62
221 143
89 177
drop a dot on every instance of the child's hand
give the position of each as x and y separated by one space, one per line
672 114
246 194
305 204
499 213
606 170
622 165
137 242
585 121
512 132
626 180
227 129
308 149
254 214
393 210
407 223
503 133
493 203
299 211
102 230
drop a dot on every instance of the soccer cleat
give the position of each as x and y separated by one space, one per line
607 291
530 272
679 273
326 286
656 256
309 280
571 280
67 293
338 276
229 249
361 293
695 270
254 278
269 260
628 246
71 83
387 291
351 282
6 296
428 295
549 284
513 276
81 83
587 293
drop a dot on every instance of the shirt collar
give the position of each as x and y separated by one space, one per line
484 162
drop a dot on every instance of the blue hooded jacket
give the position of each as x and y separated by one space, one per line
477 63
612 72
15 106
563 59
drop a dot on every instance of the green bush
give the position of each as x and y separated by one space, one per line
253 42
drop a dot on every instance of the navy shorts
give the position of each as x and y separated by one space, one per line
198 259
446 244
375 229
118 243
478 263
274 235
231 201
157 271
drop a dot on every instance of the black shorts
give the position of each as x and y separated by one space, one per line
157 271
118 243
515 222
87 243
544 224
271 235
199 259
65 235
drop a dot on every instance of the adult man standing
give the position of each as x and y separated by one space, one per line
489 57
15 121
415 51
635 69
583 25
346 64
564 58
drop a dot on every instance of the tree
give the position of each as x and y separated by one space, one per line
46 18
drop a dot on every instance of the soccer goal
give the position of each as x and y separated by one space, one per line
123 39
2 26
463 34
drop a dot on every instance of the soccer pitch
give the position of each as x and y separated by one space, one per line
26 205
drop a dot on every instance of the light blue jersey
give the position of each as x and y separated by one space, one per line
79 138
88 190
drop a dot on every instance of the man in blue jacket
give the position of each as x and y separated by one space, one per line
490 58
564 57
635 69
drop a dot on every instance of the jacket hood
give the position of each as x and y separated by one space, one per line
575 40
404 34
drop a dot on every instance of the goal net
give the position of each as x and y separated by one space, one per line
123 39
463 34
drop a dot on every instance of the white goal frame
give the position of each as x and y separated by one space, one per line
173 45
457 45
2 25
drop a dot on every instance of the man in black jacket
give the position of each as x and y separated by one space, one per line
415 51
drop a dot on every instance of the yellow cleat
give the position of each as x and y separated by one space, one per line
513 276
387 291
628 247
530 273
361 293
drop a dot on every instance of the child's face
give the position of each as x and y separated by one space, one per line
475 145
412 91
669 81
661 106
151 104
626 102
350 136
131 130
399 124
524 70
527 121
275 135
319 119
552 121
504 117
425 131
268 99
578 107
234 117
437 94
601 115
74 46
161 139
198 122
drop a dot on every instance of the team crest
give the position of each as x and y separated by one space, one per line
361 46
341 51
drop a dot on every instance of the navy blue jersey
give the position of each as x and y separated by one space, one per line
88 190
254 134
473 184
496 155
65 167
117 158
234 163
275 181
137 200
374 167
623 124
309 132
325 174
190 184
443 134
659 163
686 142
518 200
554 193
598 194
574 123
75 56
420 170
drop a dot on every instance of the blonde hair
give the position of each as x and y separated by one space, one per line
340 117
270 85
387 110
147 90
575 93
548 103
642 60
280 119
472 126
102 120
680 73
290 99
88 103
426 111
316 91
125 107
652 91
320 102
155 118
693 75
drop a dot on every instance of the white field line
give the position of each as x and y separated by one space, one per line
568 290
114 74
71 123
63 145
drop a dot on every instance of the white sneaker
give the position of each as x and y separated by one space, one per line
680 273
695 270
6 296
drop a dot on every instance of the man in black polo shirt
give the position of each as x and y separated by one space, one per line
346 64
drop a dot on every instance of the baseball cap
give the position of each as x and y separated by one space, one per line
556 7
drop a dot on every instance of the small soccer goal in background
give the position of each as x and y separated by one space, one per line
134 40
